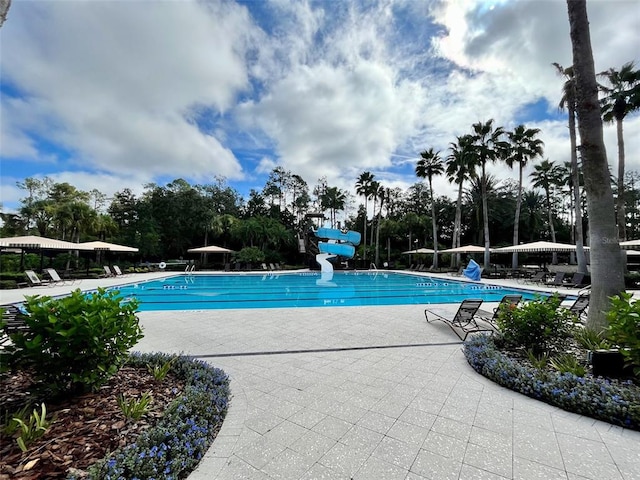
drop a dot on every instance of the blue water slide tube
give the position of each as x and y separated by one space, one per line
342 249
335 234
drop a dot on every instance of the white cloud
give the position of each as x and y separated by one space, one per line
117 81
324 89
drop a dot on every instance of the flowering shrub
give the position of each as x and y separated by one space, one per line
537 325
173 448
614 402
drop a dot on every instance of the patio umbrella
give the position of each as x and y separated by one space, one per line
210 249
418 250
537 247
464 249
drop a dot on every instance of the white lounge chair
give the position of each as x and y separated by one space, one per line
56 279
34 279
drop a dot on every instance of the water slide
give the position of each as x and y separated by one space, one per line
339 243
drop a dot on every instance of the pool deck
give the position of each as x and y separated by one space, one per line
370 393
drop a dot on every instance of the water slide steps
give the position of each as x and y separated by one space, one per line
335 234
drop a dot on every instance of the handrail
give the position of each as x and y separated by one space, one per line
373 265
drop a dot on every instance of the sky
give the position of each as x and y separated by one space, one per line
118 94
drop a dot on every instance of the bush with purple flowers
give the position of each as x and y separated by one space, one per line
616 402
173 448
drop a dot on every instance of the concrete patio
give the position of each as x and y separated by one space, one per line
370 393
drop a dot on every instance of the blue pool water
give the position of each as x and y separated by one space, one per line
307 289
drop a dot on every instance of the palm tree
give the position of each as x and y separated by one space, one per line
4 10
363 187
460 165
621 98
568 101
524 147
430 164
607 279
546 176
488 147
333 199
382 194
532 217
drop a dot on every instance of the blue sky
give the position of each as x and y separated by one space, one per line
117 94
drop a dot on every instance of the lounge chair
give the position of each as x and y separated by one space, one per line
118 272
557 296
538 277
491 317
56 279
558 280
458 273
34 279
464 321
107 271
14 321
580 306
577 281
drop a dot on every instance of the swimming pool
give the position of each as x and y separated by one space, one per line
306 289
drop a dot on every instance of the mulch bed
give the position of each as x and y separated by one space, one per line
85 428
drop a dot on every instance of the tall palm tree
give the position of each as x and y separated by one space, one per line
546 175
621 97
363 188
460 167
607 279
524 147
489 147
568 101
333 199
4 10
429 165
383 195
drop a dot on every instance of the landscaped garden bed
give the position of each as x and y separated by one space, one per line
543 353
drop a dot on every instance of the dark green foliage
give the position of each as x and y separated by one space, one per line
539 326
76 343
250 255
175 446
596 397
624 328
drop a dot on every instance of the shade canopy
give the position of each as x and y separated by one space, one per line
630 244
108 247
537 247
210 249
33 242
464 249
418 250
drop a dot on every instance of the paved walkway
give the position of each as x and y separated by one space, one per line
374 393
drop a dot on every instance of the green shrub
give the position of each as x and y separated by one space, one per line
76 343
538 325
250 255
624 328
6 284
